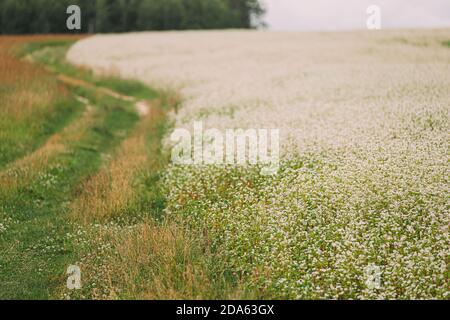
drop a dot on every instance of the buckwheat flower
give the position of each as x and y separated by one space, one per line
364 144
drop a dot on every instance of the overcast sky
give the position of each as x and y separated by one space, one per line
351 14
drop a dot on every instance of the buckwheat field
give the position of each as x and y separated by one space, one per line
364 134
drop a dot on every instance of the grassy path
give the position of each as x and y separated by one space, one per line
38 188
32 249
91 196
32 102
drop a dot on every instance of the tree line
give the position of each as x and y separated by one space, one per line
105 16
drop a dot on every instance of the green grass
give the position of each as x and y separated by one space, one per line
446 43
31 47
128 87
33 107
39 252
34 251
19 137
40 238
52 54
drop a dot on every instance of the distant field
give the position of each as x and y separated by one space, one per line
364 119
86 177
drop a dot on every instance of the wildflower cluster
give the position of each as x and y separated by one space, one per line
363 181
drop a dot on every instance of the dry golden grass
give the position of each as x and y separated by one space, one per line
150 260
27 88
18 105
163 262
111 189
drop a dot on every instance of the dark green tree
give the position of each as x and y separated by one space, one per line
49 16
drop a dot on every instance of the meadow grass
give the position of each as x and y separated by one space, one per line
52 55
37 188
34 252
33 249
91 195
32 103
